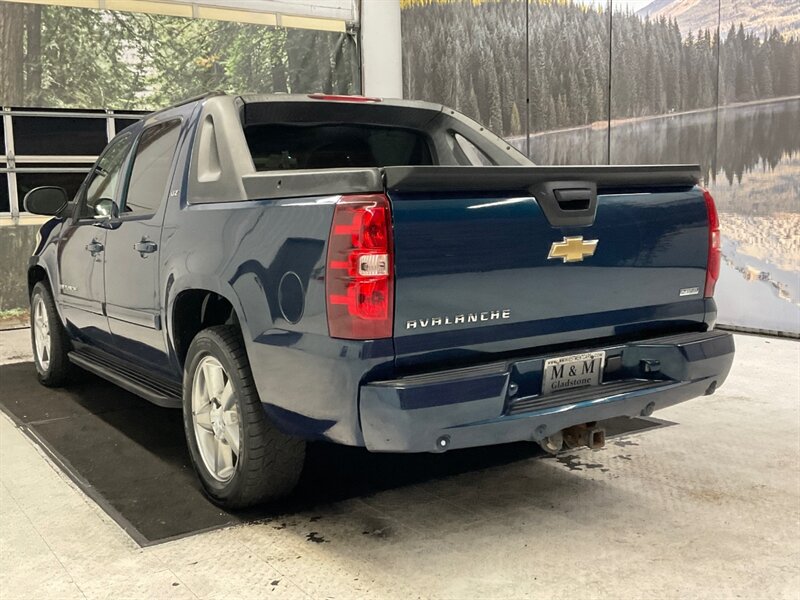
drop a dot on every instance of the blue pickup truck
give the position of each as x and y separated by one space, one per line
376 273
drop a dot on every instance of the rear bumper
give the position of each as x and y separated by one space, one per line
500 402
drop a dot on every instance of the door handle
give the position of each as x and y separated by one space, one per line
145 247
95 247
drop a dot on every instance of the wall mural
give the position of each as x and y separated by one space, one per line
679 92
55 56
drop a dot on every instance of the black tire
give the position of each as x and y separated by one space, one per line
56 371
270 462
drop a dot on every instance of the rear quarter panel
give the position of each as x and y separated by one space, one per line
308 382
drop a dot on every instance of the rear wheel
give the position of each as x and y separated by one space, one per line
240 457
48 338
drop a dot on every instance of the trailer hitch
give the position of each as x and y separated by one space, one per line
577 436
588 434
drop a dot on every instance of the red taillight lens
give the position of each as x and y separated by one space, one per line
714 246
360 270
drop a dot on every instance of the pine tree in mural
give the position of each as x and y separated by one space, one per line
515 128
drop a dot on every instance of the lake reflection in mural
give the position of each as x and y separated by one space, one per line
757 188
750 159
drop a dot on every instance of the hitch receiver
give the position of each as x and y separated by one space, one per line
588 434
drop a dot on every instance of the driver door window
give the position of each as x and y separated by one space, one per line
103 182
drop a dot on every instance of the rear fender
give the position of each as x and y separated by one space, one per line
254 313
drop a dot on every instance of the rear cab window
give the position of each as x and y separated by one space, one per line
334 145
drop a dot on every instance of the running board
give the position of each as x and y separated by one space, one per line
157 390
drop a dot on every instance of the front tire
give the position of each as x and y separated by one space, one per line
49 339
240 457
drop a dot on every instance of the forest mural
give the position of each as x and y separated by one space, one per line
594 82
471 56
54 56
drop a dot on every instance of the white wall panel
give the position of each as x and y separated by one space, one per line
381 48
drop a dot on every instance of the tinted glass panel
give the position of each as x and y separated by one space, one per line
2 136
59 135
69 181
4 204
276 147
120 124
103 184
151 167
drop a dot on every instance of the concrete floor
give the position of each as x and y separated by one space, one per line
706 509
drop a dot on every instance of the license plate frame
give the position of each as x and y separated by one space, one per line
558 374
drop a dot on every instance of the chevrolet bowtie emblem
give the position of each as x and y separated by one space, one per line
572 249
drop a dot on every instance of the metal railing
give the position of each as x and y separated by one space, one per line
12 164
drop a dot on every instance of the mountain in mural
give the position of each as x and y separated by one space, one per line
757 16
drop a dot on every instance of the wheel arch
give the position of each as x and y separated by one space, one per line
37 273
197 307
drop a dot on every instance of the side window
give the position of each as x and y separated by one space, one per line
102 184
469 154
149 177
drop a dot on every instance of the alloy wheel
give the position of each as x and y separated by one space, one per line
215 416
41 333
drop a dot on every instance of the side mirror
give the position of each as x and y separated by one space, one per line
46 200
106 214
106 209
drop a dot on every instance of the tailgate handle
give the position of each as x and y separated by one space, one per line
567 203
575 199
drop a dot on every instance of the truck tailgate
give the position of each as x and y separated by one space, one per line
495 260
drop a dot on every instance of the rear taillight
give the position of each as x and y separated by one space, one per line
714 245
360 272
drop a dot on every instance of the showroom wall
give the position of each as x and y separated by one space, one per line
636 82
71 77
